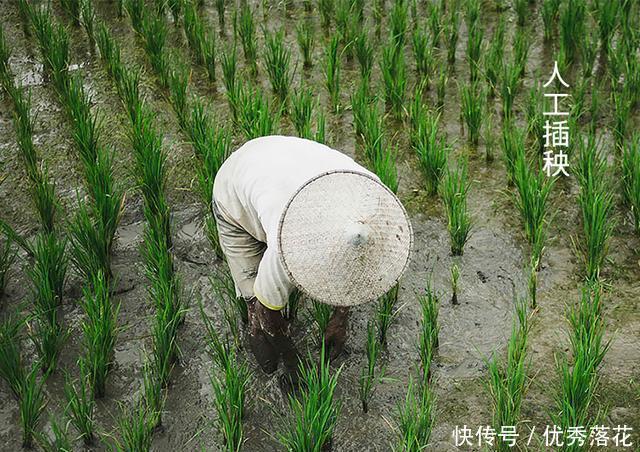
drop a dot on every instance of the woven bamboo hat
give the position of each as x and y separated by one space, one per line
344 238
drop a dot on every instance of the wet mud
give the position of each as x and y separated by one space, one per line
493 267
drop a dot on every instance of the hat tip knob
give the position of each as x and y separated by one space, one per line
358 234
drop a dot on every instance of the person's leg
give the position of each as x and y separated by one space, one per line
243 254
277 330
335 335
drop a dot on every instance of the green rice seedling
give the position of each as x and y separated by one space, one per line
80 406
579 376
578 96
369 377
521 46
320 135
377 13
474 49
229 401
230 381
178 83
53 41
100 331
16 238
620 125
596 202
509 87
441 87
394 76
507 379
109 50
415 419
154 33
229 64
31 404
452 33
423 53
48 336
6 77
430 328
221 5
607 14
432 151
531 200
49 270
326 8
494 58
522 10
73 8
549 11
532 284
136 11
535 118
314 412
12 370
435 25
60 442
473 105
302 112
278 65
513 145
417 112
247 33
398 22
107 207
224 287
165 293
153 394
589 50
630 178
386 313
345 26
194 31
384 165
320 315
360 101
87 19
489 137
135 429
306 40
572 25
454 189
255 116
364 54
332 72
7 257
455 275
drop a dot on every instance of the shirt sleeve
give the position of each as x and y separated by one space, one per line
272 286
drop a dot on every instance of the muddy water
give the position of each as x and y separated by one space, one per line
492 268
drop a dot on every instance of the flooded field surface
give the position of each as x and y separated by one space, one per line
493 271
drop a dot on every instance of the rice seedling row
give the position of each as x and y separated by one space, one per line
414 139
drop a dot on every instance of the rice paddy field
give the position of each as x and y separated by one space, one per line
119 326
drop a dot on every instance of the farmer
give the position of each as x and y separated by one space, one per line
295 213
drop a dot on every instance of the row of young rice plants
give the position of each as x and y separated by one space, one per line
415 417
92 230
137 424
230 377
27 386
579 373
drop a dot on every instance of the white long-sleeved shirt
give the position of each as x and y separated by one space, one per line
251 191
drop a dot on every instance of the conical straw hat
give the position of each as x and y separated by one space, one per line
344 238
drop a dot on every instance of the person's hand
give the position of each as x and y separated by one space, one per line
335 335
